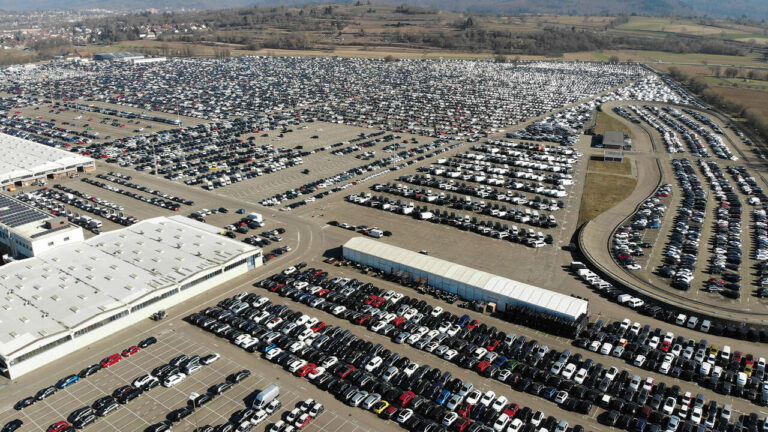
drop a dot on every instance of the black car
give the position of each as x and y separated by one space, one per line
20 405
106 409
220 388
128 396
102 402
159 427
44 393
200 400
84 421
90 370
239 376
179 414
79 414
12 425
147 342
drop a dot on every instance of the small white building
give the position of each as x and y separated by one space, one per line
66 298
26 231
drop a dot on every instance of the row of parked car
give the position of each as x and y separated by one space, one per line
334 184
708 365
242 420
83 417
41 200
726 241
361 374
681 251
402 335
156 201
125 180
629 241
464 222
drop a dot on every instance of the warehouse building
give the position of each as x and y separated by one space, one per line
69 297
468 283
26 162
26 231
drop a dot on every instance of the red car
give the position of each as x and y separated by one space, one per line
665 346
109 361
483 365
463 409
346 371
492 346
130 351
462 424
306 370
60 427
323 292
319 326
472 324
362 319
276 287
736 356
406 397
511 410
399 321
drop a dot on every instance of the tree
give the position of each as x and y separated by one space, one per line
614 59
731 72
390 58
500 58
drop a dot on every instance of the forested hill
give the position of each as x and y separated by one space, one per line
753 9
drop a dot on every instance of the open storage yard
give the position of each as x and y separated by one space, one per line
476 163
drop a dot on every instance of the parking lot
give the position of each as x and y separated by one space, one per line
489 175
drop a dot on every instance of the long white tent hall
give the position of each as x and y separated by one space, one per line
468 283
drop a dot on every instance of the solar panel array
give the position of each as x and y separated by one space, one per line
13 213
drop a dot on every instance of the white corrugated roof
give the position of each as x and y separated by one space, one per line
61 288
22 157
559 304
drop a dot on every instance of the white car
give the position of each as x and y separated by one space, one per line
473 397
404 415
499 403
594 346
274 352
569 370
515 426
410 369
450 354
296 365
316 373
669 406
487 398
374 363
143 380
581 375
173 380
450 418
501 423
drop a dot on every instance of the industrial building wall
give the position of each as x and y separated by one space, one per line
465 291
60 351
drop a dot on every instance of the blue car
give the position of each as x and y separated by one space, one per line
549 393
269 348
240 211
67 381
464 320
443 397
500 361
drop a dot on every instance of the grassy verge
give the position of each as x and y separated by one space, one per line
597 165
603 191
607 123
